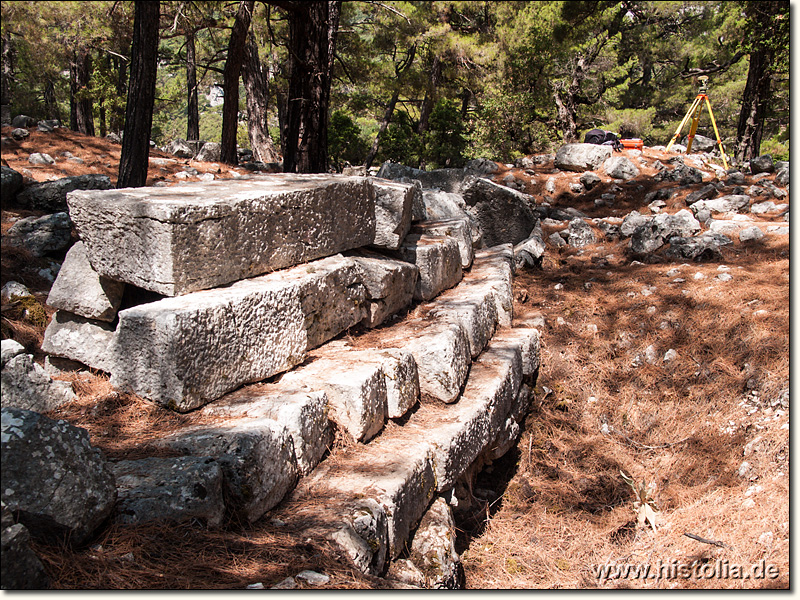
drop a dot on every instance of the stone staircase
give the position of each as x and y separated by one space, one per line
399 336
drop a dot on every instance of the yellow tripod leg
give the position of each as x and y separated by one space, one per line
719 140
695 123
686 118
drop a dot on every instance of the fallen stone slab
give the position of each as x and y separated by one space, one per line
581 157
458 229
185 351
389 283
438 259
172 490
86 341
354 385
54 481
78 288
27 385
495 267
256 457
176 240
505 216
51 196
303 414
393 208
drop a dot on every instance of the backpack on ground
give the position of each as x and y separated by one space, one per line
603 138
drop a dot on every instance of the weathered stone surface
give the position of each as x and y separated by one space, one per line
393 206
762 164
21 569
438 259
10 183
581 157
186 351
658 230
176 240
173 490
54 481
80 290
705 193
83 340
704 247
700 143
473 307
303 414
209 152
256 457
42 235
389 283
579 233
26 385
620 167
529 252
51 196
495 267
379 494
10 349
458 229
354 384
731 203
433 549
505 216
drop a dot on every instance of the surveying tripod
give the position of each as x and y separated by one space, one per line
694 112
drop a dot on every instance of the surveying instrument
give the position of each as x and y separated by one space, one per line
694 112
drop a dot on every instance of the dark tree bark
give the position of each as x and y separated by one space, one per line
256 87
81 119
6 76
192 106
768 34
750 127
230 85
50 103
141 96
430 95
312 33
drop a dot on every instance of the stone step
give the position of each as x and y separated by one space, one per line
176 240
368 499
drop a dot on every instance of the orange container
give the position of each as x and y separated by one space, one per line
632 144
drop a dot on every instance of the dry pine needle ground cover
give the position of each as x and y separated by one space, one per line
559 513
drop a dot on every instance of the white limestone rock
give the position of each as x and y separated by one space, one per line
389 283
393 205
256 457
185 351
176 240
79 339
78 288
438 259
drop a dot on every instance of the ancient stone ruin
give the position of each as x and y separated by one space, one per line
229 300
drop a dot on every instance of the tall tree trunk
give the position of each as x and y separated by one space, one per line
567 111
81 119
430 95
387 118
50 102
6 76
257 90
141 96
230 85
192 105
750 127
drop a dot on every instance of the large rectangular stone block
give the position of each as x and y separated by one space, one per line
176 240
188 350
